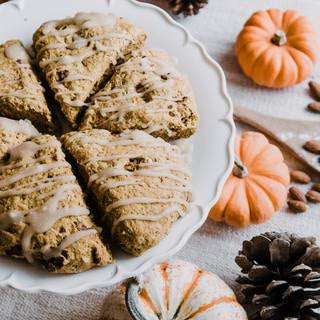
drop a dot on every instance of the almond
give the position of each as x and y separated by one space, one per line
315 89
314 107
297 194
300 177
297 206
312 146
313 196
316 187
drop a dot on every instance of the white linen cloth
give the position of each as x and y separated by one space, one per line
214 246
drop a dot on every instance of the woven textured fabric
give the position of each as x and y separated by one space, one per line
215 246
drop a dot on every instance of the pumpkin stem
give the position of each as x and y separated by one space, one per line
239 169
279 38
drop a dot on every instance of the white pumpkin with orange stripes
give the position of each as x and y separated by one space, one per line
180 290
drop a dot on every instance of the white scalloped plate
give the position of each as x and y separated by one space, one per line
213 143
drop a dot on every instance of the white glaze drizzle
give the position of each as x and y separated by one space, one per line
148 169
126 138
42 218
41 184
165 213
80 22
16 52
18 126
30 90
69 240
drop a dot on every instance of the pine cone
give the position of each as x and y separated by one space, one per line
282 276
187 7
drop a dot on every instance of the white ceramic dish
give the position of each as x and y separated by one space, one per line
213 144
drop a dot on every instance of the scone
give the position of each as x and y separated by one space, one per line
21 94
146 93
140 183
43 216
14 132
77 53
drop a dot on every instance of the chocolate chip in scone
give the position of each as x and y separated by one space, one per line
139 87
120 61
14 251
62 230
62 74
134 163
65 254
12 229
147 97
55 263
95 255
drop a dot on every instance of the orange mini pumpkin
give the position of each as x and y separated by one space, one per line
257 187
277 49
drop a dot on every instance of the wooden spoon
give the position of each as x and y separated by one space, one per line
290 134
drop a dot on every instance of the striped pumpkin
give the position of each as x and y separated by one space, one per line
180 290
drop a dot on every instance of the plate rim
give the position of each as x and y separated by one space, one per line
228 118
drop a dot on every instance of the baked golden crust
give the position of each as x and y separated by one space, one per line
21 94
43 216
76 54
139 182
146 93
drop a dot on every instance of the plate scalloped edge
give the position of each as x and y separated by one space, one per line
118 275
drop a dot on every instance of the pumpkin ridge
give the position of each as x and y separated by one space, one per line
298 70
242 145
218 212
252 41
292 23
269 12
227 209
256 156
252 185
274 175
193 284
293 48
269 194
303 59
277 79
302 47
165 276
148 301
250 49
257 57
214 302
289 20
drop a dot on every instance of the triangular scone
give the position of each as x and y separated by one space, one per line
43 216
140 183
14 132
76 53
21 94
146 93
